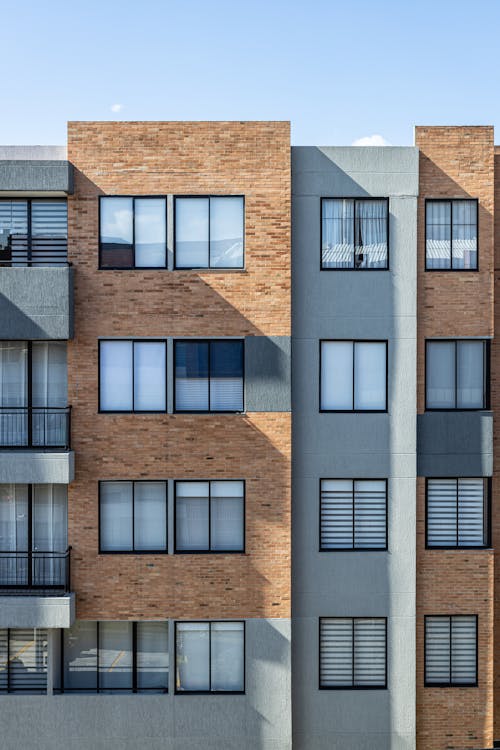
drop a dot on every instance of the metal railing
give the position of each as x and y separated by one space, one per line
35 427
41 251
35 572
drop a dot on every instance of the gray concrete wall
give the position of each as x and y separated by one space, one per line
36 177
358 305
36 467
258 720
36 303
267 373
455 444
37 611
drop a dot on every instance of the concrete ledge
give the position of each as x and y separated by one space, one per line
53 176
36 467
37 611
36 303
455 444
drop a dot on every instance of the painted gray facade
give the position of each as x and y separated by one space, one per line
35 171
261 718
36 467
354 305
36 303
455 444
37 611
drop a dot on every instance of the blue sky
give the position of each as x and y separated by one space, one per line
340 71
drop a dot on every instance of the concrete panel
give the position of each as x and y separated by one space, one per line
37 611
354 305
46 177
455 444
258 720
267 373
36 303
36 467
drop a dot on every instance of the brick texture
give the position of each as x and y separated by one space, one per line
180 158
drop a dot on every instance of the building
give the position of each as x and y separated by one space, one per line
206 542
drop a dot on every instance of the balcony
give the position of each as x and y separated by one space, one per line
35 590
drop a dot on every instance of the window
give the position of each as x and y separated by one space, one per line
33 394
133 516
456 374
209 376
451 235
209 232
354 233
132 376
113 657
23 661
210 516
451 650
133 232
353 376
353 514
353 652
33 232
210 657
457 513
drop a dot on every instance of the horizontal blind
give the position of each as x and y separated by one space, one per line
456 513
369 652
471 515
353 514
49 232
14 231
437 650
3 659
336 652
463 649
28 660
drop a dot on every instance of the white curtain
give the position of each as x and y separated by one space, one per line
227 656
226 516
337 233
150 516
149 376
371 234
370 375
470 375
50 517
191 513
116 376
116 516
193 656
13 393
337 375
50 392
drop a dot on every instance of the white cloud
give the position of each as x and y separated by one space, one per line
116 107
371 140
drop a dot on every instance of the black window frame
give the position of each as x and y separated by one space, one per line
36 690
98 689
354 342
133 267
487 485
352 687
451 684
133 551
486 374
210 623
356 199
30 260
208 341
451 201
131 341
209 551
353 548
209 267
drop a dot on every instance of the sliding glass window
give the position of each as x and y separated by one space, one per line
133 516
133 232
132 376
209 232
354 234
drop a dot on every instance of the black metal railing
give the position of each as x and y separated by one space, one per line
40 251
35 572
35 427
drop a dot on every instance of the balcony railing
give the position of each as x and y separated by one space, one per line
35 427
41 251
33 573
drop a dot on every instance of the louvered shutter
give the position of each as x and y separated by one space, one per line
3 659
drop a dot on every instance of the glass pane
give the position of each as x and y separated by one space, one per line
337 375
226 232
117 232
442 512
150 232
49 232
470 375
50 517
115 655
437 650
227 516
226 376
115 516
464 234
14 534
337 233
150 371
463 650
336 652
369 652
438 234
152 655
80 656
150 508
28 660
4 658
191 232
371 234
472 513
50 393
191 516
228 656
440 375
13 393
370 376
116 376
370 520
13 232
337 514
191 376
193 656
